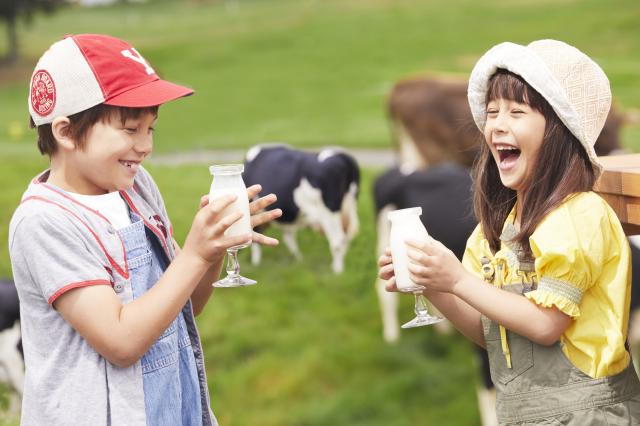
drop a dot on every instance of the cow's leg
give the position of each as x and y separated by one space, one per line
388 300
289 238
256 254
331 223
349 211
11 359
487 406
316 213
12 367
389 310
485 391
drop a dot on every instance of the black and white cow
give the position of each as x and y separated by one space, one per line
319 190
11 361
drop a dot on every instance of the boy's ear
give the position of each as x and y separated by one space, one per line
60 131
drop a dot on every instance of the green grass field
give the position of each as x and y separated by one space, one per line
304 347
317 72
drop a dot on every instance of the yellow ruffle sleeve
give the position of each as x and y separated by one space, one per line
474 251
570 247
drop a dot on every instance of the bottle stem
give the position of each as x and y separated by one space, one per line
233 267
420 307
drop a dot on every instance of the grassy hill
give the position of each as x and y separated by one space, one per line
304 346
317 72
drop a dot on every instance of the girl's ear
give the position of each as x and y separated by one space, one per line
60 131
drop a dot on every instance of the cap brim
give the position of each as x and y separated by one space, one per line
151 94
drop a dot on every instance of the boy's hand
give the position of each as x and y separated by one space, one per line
260 217
206 238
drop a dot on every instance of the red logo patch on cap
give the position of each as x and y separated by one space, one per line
43 93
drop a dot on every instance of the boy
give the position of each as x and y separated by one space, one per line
107 297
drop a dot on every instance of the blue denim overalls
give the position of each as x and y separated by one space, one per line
169 374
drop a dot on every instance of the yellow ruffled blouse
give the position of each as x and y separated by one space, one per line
582 267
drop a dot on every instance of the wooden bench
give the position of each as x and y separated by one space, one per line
620 186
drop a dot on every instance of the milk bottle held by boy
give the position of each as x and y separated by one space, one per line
227 179
405 224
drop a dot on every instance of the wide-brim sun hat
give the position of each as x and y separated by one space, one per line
574 85
84 70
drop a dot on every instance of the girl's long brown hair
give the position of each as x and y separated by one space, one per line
562 168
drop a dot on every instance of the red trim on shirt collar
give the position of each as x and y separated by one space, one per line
155 230
124 273
36 180
63 194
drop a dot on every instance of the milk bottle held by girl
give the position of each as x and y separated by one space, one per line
405 224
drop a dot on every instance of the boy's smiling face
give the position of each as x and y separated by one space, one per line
110 157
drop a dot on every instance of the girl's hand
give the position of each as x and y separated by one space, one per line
386 270
206 238
434 266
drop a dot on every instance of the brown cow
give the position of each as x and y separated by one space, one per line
430 117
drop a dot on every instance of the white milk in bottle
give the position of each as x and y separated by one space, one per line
227 179
405 225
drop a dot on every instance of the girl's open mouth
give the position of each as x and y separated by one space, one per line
508 156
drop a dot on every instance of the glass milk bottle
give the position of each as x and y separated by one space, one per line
405 225
227 179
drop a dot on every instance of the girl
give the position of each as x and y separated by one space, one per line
544 284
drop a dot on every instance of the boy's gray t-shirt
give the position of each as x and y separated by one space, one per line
58 244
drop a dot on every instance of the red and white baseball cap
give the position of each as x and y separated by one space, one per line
84 70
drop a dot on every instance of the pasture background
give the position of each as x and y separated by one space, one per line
304 347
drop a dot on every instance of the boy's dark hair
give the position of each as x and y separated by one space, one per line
566 169
83 121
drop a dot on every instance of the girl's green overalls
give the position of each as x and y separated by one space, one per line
541 386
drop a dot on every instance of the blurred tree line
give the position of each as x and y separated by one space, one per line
11 11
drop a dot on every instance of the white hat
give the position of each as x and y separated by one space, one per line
82 71
574 85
